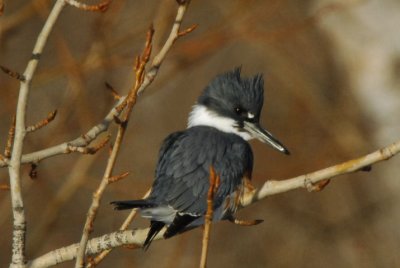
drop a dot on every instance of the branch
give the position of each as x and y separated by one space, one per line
19 223
130 101
303 181
214 183
143 80
173 36
96 260
63 148
137 237
95 131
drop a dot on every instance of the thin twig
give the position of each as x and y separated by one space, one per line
269 188
14 169
118 177
50 117
13 74
114 93
188 30
10 139
212 189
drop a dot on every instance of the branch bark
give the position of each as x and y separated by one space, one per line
14 169
269 188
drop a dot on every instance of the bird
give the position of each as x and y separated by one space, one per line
225 117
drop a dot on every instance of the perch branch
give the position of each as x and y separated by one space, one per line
137 237
14 168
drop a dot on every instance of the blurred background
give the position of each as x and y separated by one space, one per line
332 93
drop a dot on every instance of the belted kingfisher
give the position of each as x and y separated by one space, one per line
225 117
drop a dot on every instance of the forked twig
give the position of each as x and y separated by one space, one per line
118 177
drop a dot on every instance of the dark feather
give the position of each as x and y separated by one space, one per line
155 228
129 204
179 224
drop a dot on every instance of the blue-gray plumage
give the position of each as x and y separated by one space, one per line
226 115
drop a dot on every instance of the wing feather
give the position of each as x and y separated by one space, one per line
182 174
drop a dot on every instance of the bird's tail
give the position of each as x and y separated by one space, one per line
155 228
129 204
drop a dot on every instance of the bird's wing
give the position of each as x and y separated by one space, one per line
182 174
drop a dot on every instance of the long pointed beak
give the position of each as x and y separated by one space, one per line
256 131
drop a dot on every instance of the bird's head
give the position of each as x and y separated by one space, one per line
233 104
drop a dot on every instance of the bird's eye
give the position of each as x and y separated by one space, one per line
238 111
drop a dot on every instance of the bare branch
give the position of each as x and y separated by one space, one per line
137 237
62 148
159 58
141 83
276 187
14 168
103 126
130 101
212 189
50 117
